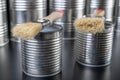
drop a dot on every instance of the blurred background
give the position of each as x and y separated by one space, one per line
15 12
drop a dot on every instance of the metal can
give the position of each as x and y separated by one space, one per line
66 20
94 50
41 56
3 23
68 30
78 8
107 5
62 5
109 2
27 10
117 28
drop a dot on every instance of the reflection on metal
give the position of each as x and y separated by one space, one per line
117 28
3 23
94 49
73 9
41 56
107 5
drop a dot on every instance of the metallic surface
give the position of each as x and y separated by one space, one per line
3 23
107 5
78 8
27 10
94 49
11 66
66 20
62 5
117 28
109 2
68 30
41 56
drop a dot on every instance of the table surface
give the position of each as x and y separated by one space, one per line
11 68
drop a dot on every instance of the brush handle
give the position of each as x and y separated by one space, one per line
99 12
55 15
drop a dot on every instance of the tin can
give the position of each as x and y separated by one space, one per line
66 20
94 50
62 5
107 5
68 30
25 11
78 8
117 28
3 24
41 56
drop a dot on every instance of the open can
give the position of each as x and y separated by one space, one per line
94 50
41 56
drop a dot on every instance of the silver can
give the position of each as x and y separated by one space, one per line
27 10
68 30
41 56
109 2
3 23
117 28
107 5
78 8
62 5
94 50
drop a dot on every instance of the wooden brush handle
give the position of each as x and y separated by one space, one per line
99 12
55 15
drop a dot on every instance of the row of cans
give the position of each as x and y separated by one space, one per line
41 56
77 8
24 11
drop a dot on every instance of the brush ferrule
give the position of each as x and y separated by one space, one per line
44 21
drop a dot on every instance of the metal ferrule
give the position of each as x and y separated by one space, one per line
44 22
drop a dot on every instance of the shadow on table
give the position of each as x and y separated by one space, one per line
56 77
89 73
116 57
10 65
68 60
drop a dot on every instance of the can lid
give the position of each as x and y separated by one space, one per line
51 28
49 32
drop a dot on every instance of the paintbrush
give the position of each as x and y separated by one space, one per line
30 29
90 25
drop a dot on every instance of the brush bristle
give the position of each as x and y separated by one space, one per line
26 30
90 25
